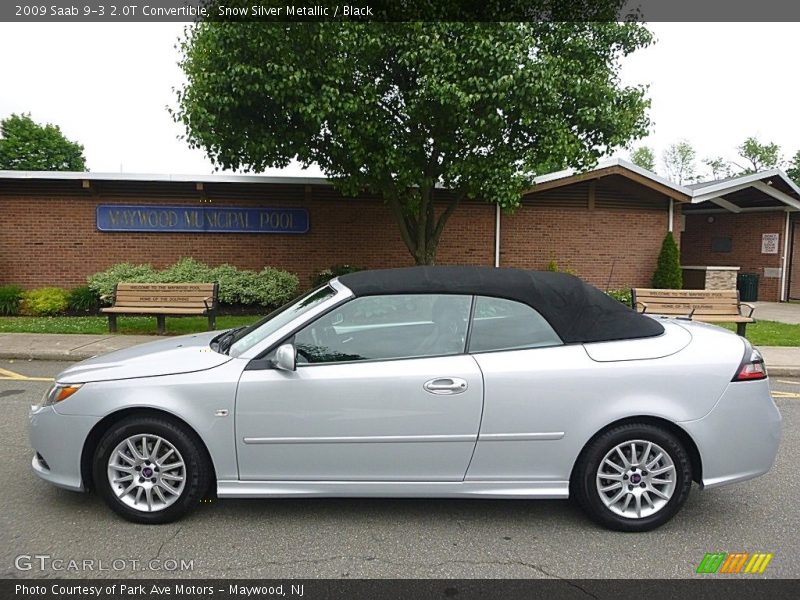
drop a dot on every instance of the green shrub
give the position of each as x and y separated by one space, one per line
10 299
325 275
46 301
668 273
83 299
623 295
553 266
187 270
269 287
103 283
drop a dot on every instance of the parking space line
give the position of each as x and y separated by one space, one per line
6 375
787 381
779 394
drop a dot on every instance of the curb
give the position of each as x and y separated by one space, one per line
783 371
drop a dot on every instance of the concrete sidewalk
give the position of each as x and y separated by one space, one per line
783 361
49 346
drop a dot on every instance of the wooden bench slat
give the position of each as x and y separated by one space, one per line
713 306
152 310
162 300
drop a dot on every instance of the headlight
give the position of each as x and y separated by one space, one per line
59 392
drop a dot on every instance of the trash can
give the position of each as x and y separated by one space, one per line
747 284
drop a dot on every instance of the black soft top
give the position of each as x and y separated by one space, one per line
577 311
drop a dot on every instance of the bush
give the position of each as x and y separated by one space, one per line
553 266
623 295
46 301
187 270
103 283
10 299
668 273
326 275
83 299
269 287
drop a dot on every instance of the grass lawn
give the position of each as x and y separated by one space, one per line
125 325
761 333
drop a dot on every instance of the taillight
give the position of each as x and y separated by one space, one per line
752 366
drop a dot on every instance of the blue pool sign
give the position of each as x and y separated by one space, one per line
200 219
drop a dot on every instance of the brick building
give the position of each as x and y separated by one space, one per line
606 224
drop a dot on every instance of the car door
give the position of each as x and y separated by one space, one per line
383 391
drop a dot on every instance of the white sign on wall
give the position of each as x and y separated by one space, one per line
769 243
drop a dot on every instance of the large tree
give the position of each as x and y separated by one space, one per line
793 170
27 146
400 108
759 157
679 162
644 157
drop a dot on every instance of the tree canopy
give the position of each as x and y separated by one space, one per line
27 146
760 157
644 157
679 162
400 108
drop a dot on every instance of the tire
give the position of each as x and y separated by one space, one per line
180 469
594 480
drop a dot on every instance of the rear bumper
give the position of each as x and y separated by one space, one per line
738 440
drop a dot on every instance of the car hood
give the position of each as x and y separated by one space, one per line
171 356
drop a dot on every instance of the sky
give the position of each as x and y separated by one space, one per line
108 85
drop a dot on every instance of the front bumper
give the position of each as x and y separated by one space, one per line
58 441
738 440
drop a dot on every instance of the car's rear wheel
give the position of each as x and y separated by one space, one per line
634 477
150 469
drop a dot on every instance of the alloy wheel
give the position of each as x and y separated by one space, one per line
636 479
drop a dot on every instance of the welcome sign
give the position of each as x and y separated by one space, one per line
200 219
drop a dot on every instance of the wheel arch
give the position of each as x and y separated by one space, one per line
684 437
96 433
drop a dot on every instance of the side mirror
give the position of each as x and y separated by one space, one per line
285 358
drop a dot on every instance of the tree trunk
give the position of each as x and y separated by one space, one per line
421 232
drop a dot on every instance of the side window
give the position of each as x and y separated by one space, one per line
387 327
500 324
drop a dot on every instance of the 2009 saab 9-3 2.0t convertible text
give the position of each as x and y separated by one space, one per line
419 382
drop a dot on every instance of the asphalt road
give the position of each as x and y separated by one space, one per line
383 538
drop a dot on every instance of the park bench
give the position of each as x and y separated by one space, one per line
163 300
710 306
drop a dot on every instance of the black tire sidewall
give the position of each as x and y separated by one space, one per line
196 468
586 489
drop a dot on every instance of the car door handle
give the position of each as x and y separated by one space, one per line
446 385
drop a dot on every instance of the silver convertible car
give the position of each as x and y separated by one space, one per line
421 382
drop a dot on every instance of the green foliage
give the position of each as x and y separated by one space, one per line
679 162
793 170
27 146
718 166
45 301
268 287
103 283
397 108
668 273
623 295
760 157
644 157
10 299
553 266
325 275
187 270
83 299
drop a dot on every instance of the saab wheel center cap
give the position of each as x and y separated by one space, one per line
147 472
636 478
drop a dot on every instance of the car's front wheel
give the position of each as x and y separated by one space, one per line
634 477
150 469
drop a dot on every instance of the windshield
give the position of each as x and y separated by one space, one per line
262 329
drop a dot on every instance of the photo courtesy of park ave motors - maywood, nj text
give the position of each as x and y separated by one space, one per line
399 299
